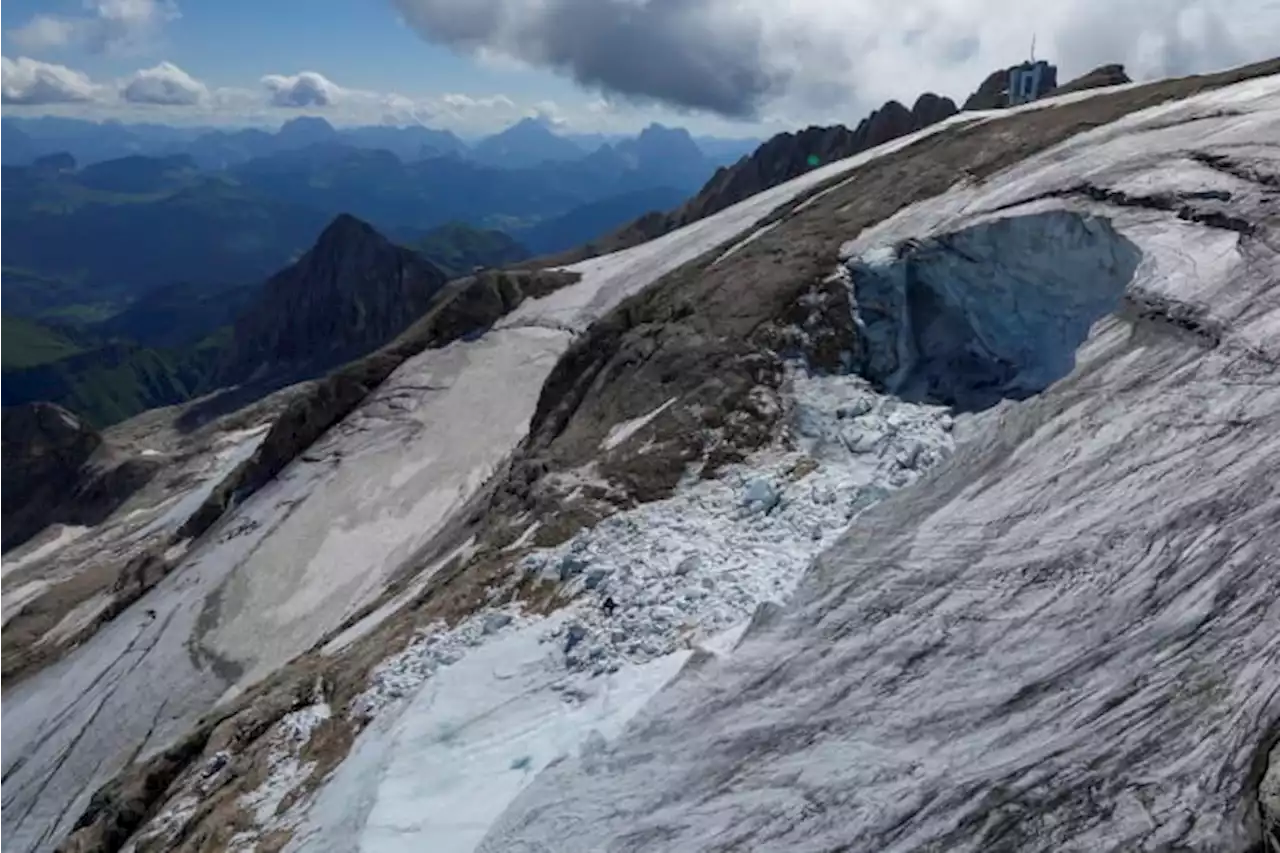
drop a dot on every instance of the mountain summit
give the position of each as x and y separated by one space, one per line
353 291
528 142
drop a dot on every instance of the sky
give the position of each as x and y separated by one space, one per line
724 67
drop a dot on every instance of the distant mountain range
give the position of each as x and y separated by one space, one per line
529 142
233 206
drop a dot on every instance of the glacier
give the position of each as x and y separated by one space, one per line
1068 637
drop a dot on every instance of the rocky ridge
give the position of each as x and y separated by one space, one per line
778 160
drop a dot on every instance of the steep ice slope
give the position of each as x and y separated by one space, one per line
293 560
1069 638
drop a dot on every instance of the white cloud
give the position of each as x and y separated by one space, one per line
112 27
165 84
818 58
44 31
29 82
306 89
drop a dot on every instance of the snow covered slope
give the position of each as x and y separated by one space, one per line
309 550
1069 637
496 687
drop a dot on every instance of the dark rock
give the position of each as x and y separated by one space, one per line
575 635
991 93
1103 75
45 450
53 473
350 294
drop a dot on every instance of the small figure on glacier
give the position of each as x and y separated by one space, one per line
608 605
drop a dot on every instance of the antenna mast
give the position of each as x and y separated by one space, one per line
1033 47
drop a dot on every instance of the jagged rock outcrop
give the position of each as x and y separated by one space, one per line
351 293
1103 75
45 449
787 155
778 160
990 94
48 474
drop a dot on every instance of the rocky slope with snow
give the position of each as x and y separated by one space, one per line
1067 638
986 413
370 509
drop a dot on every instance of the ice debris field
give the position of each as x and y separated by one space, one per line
464 717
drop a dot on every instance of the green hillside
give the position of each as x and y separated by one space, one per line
111 383
458 248
27 343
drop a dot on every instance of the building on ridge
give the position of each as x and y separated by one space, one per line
1030 80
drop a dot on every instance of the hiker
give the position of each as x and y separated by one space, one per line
609 605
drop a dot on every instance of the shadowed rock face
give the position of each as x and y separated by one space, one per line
351 293
788 155
48 477
45 448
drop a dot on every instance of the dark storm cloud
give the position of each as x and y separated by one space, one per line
698 54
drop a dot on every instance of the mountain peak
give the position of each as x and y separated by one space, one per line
344 229
305 130
309 123
350 293
528 142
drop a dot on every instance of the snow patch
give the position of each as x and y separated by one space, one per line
753 236
368 623
66 534
177 549
470 742
619 433
235 447
524 538
77 618
14 599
